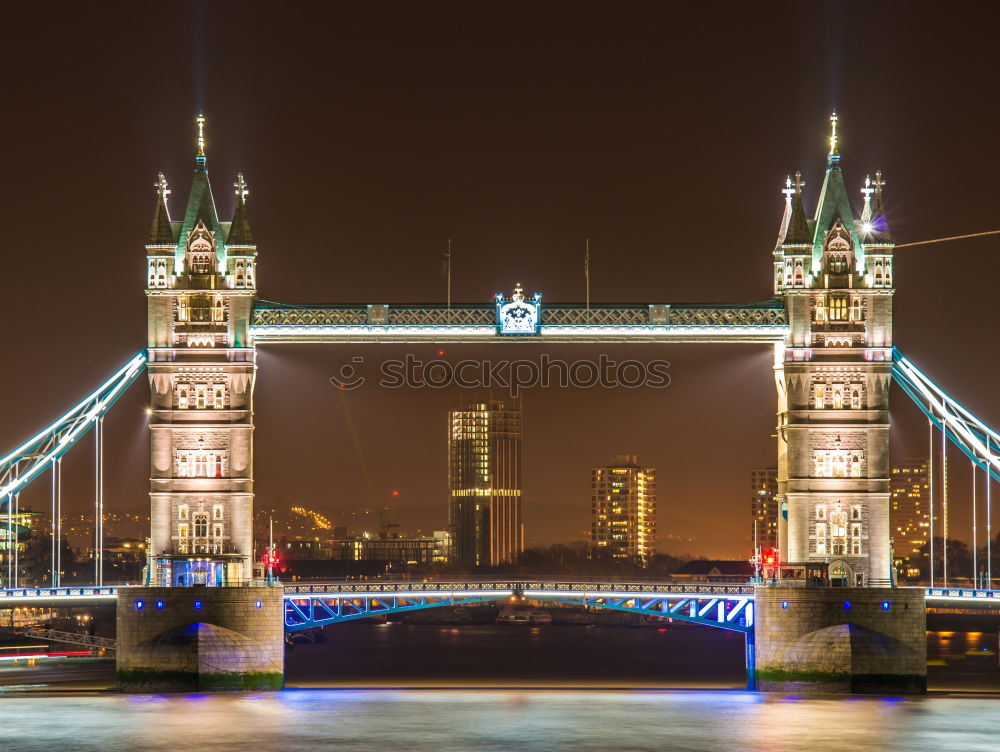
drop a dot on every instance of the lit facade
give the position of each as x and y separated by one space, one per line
484 484
835 274
201 281
764 507
909 514
623 509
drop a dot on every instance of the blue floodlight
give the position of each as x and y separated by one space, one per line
197 605
847 605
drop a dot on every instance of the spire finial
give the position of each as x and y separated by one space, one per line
867 191
162 191
241 188
788 190
834 155
798 183
879 184
200 157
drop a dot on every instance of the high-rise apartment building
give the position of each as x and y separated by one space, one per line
909 514
764 507
484 484
623 508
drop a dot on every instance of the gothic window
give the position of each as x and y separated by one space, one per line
878 275
199 465
152 274
838 465
820 309
239 274
821 471
838 263
219 312
798 274
821 512
249 275
182 466
855 308
819 396
855 397
182 531
838 396
219 398
821 539
201 396
182 511
217 512
788 274
201 526
888 275
182 398
182 308
217 531
838 532
838 308
218 466
856 539
856 466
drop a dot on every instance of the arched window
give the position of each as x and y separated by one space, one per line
217 531
182 511
888 275
201 526
838 532
249 275
855 540
856 473
788 274
201 398
821 511
819 396
219 398
182 398
218 313
856 398
152 274
878 274
820 309
798 274
821 539
218 466
217 512
838 397
855 309
161 274
182 466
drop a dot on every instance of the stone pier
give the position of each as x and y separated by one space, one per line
861 640
200 639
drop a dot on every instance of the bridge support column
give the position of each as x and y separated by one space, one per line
860 640
751 658
200 639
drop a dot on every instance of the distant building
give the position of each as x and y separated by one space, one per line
623 509
397 550
15 530
909 514
764 507
706 570
484 484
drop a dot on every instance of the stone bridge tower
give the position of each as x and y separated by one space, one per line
832 374
201 280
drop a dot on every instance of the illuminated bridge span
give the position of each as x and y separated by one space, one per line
721 605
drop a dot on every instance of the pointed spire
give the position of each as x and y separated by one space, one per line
200 156
834 157
877 224
867 191
798 226
239 230
160 232
783 228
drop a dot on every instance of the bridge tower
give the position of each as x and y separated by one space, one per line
832 374
201 280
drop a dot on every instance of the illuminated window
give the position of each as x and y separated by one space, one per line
821 512
183 313
788 274
878 274
819 396
182 466
249 275
217 531
217 512
856 539
798 274
856 397
182 531
218 466
219 398
855 308
820 309
182 511
821 539
182 398
218 312
201 396
855 513
838 308
838 396
239 274
201 526
152 275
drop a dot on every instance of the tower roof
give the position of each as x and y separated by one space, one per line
239 229
798 226
161 231
201 203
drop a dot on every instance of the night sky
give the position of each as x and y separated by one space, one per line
370 135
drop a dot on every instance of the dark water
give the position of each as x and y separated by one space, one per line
487 688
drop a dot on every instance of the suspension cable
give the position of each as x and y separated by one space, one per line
944 240
930 483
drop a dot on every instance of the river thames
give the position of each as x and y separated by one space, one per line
492 687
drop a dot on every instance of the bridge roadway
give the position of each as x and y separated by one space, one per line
721 605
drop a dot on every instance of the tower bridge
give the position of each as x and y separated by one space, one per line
828 322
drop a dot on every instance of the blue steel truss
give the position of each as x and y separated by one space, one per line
978 442
29 460
728 607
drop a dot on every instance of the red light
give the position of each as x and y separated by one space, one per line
395 492
440 353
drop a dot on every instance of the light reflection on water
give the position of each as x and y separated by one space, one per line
496 720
